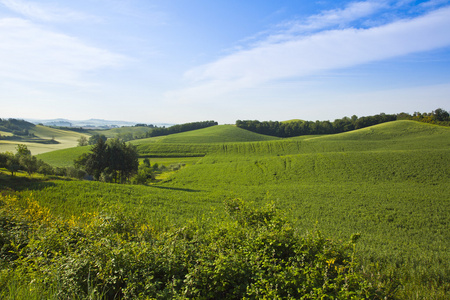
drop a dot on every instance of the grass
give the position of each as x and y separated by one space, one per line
214 134
63 157
389 182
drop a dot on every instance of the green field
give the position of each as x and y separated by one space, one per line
389 182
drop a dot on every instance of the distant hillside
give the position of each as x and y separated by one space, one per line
214 134
41 139
88 123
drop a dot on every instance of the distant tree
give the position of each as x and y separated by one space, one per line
83 141
146 162
94 138
440 115
22 150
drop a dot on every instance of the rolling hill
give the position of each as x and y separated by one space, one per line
389 182
46 139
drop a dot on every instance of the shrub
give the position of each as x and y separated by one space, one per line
257 254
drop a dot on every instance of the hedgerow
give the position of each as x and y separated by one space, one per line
254 254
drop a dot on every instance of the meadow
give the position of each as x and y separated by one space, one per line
390 183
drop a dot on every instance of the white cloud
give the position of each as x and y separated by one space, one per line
30 52
44 12
352 12
308 55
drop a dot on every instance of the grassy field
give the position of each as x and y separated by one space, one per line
62 139
389 182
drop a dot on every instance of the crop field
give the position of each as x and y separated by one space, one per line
390 183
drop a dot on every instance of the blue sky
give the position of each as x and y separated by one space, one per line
184 61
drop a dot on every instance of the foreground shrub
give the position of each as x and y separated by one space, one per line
255 254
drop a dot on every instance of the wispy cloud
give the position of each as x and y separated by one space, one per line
341 17
303 55
43 12
31 52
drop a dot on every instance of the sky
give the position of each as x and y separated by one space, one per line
179 61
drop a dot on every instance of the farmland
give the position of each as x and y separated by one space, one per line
46 139
389 182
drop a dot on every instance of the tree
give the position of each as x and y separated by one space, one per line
97 161
94 139
28 163
441 115
12 163
82 141
114 161
22 150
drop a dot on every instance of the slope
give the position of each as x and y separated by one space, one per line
47 139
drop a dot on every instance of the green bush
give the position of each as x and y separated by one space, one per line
255 254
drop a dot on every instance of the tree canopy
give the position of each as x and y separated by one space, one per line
111 161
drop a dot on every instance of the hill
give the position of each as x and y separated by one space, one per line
45 139
197 142
213 134
389 182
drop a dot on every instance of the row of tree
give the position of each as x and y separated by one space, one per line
112 161
438 116
300 127
16 127
159 131
22 160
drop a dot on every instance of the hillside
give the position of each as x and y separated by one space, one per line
214 134
46 139
389 182
197 142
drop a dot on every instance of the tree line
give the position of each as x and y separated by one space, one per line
22 160
160 131
438 117
300 127
16 127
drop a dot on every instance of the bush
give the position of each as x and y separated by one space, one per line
254 255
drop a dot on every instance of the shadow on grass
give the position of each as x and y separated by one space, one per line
175 189
21 183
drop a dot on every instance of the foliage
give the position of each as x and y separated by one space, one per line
390 182
438 116
82 141
17 127
94 139
114 161
22 160
299 127
159 131
111 256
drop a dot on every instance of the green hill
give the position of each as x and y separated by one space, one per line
389 182
197 142
213 134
